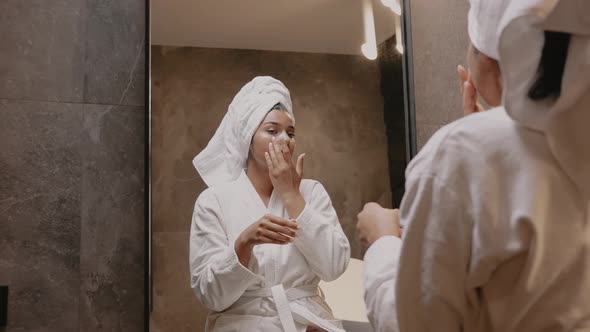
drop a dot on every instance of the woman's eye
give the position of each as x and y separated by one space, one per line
272 132
291 135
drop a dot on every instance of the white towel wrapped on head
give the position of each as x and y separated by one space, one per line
227 152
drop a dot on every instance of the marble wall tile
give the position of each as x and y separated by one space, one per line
439 37
40 177
71 175
115 52
112 229
42 53
176 308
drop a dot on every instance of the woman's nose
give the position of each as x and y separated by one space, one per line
283 137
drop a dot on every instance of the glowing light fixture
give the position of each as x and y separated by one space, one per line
398 36
369 48
394 5
369 51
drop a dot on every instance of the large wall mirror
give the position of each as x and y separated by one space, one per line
346 65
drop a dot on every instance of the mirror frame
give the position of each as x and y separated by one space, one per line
408 72
410 127
147 281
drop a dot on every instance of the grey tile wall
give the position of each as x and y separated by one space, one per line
440 40
71 171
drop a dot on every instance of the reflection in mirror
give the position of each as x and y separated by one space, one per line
336 73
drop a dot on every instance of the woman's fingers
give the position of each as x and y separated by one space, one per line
288 155
273 155
263 240
299 167
468 91
269 163
275 236
277 230
474 95
281 229
277 147
314 329
286 152
463 75
469 98
282 222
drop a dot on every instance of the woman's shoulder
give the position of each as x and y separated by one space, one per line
466 140
308 184
477 143
215 193
206 197
311 186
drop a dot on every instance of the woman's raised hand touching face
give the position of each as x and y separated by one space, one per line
469 93
284 174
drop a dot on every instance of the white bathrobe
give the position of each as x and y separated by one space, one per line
246 299
496 238
497 204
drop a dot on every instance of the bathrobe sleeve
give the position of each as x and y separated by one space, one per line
320 237
435 257
432 268
217 277
380 271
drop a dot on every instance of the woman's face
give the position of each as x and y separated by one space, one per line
277 124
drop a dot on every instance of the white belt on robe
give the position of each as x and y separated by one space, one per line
287 310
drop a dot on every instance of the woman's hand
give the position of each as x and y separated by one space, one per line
314 329
284 175
374 222
268 229
469 93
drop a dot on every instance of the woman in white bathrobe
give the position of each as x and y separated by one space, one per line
261 237
496 213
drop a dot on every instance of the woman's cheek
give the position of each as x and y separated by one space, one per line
265 139
262 142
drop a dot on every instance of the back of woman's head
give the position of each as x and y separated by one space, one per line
550 71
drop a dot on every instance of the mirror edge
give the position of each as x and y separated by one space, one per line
148 282
408 81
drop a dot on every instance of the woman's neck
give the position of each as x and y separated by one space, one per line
260 180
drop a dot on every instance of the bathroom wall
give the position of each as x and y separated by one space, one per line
72 164
338 104
440 40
